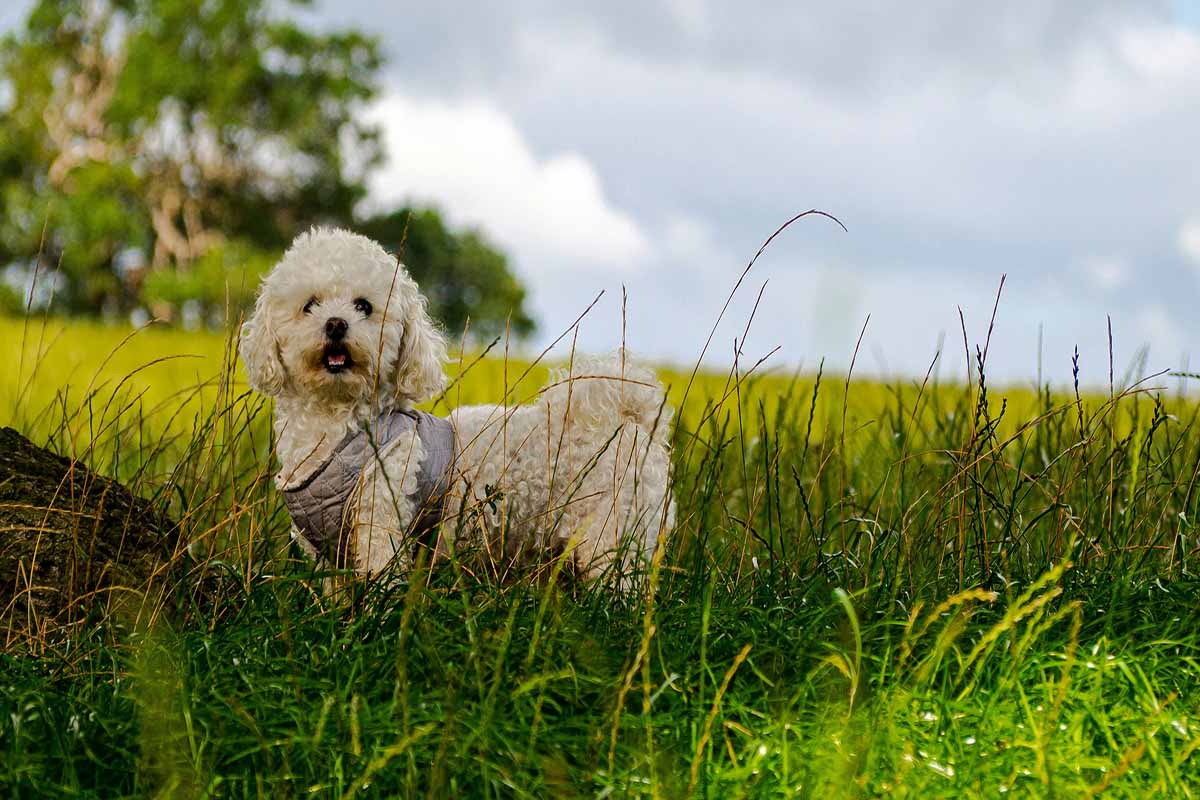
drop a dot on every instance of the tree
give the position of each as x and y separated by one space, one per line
166 151
146 134
463 276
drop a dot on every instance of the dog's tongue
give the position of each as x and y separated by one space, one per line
336 359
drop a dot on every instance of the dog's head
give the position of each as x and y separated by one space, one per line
338 318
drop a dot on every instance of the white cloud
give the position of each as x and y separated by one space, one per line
470 159
692 17
1162 52
1106 274
1028 157
1189 240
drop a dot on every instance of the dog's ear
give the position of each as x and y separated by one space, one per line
419 373
260 351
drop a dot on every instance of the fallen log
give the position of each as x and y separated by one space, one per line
74 545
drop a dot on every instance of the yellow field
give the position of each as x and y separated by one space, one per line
92 373
167 372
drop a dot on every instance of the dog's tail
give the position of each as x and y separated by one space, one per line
609 391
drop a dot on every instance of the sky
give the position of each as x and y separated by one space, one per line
648 149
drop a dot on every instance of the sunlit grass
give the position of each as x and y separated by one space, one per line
873 589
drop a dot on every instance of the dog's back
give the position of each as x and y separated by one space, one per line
586 467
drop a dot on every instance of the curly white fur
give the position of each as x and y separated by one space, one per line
584 468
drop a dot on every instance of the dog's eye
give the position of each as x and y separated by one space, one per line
308 307
363 306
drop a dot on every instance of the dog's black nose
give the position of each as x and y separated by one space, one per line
335 328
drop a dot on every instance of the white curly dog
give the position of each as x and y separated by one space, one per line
341 339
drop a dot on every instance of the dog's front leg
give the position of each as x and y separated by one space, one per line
384 510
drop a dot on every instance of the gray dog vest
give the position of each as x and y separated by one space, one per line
320 506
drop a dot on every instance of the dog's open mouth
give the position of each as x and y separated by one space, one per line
336 358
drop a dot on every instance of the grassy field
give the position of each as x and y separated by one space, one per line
939 591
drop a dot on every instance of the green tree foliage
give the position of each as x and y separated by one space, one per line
464 277
163 151
167 127
10 301
226 277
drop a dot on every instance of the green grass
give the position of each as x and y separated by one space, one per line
872 589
